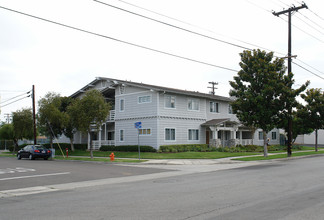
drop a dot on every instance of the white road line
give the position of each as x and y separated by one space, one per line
41 175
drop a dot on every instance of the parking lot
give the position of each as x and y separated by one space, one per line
17 174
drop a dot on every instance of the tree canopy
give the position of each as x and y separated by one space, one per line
313 111
50 118
257 89
89 112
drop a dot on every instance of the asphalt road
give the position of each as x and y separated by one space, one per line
285 189
16 174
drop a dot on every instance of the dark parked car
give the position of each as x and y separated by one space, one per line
34 151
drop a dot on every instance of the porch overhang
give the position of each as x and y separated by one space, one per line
221 122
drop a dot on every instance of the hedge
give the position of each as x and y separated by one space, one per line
127 148
67 145
186 147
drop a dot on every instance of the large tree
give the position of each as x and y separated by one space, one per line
288 102
313 111
22 121
50 119
89 113
68 124
7 133
256 90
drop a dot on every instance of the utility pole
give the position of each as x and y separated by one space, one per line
289 11
34 114
213 87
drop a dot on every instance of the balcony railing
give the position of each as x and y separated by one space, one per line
111 116
96 144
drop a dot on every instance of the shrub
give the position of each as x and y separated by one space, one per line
67 145
185 148
127 148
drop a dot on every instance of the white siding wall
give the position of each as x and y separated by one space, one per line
131 133
309 139
181 127
223 111
258 141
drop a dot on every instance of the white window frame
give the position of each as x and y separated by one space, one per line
121 135
170 135
260 135
144 99
170 101
121 105
274 134
193 104
193 134
143 131
213 107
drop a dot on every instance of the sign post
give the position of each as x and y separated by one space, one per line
138 126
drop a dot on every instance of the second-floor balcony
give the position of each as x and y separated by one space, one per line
111 116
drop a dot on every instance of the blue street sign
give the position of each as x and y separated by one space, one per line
138 125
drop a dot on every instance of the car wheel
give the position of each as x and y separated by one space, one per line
45 158
31 157
19 157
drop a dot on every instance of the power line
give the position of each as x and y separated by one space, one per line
118 40
14 101
308 70
174 26
311 20
187 22
316 14
311 26
196 26
310 66
14 97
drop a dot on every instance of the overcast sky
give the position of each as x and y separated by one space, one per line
63 60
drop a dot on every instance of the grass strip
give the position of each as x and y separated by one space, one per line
279 156
99 159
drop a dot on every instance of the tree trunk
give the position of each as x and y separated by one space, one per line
316 140
72 144
265 144
91 152
15 146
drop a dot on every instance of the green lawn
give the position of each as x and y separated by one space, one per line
278 156
149 155
133 156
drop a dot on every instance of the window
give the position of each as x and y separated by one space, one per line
170 134
274 135
193 134
144 99
260 135
169 101
214 106
144 131
122 105
230 110
193 104
121 135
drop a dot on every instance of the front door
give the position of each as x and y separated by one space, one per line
207 137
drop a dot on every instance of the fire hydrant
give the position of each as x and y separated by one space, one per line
112 157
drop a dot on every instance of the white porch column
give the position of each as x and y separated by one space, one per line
234 134
106 131
241 137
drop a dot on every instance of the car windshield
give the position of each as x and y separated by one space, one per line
39 147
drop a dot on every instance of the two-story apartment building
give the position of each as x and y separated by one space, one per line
168 116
